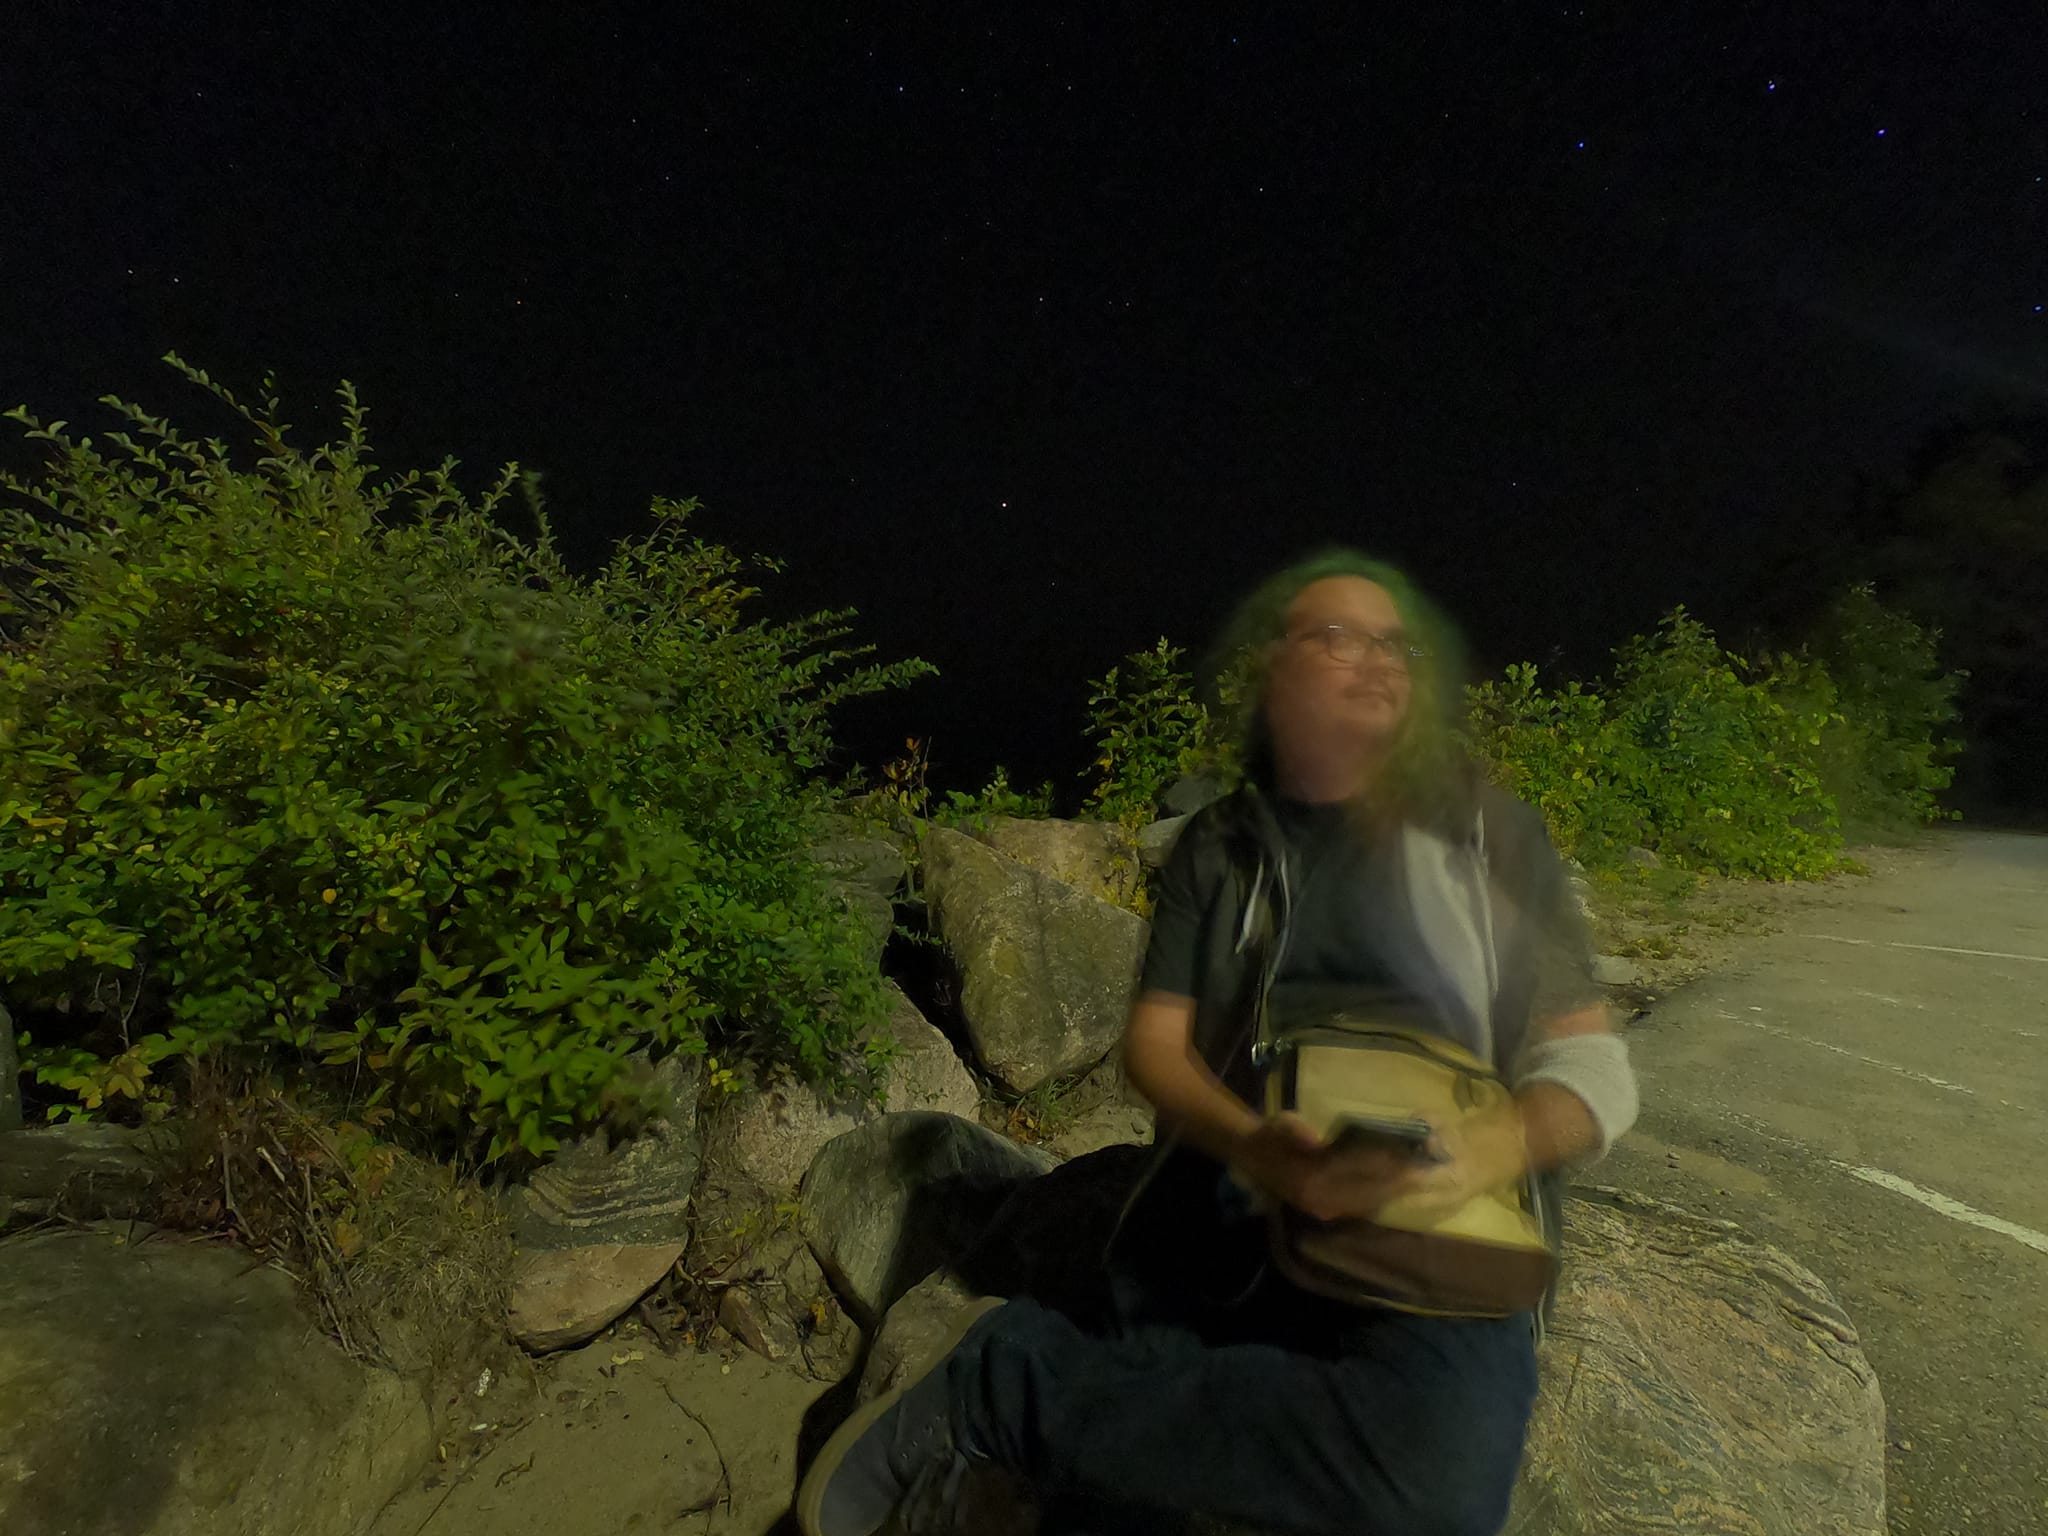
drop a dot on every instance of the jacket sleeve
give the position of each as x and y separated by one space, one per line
1554 944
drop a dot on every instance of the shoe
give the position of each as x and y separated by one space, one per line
894 1455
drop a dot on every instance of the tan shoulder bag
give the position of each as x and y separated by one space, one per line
1490 1257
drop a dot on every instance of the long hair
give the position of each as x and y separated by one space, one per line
1427 777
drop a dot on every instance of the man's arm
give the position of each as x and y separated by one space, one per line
1161 1062
1569 1104
1280 1155
1558 1126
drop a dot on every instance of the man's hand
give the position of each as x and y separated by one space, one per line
1288 1162
1474 1156
1277 1157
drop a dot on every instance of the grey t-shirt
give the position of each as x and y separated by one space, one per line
1351 923
1344 917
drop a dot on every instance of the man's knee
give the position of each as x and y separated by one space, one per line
1478 1507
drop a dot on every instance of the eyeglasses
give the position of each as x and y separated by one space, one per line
1351 646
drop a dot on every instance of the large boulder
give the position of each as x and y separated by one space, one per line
606 1219
84 1170
1046 971
1697 1380
565 1296
1157 840
886 1204
863 871
1097 858
770 1135
1693 1380
174 1388
604 1191
864 859
925 1072
1189 794
1111 1125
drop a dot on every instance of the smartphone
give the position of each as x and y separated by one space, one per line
1357 1131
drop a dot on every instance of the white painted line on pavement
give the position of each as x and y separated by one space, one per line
1842 1050
1955 1210
1896 1002
1939 949
1870 1061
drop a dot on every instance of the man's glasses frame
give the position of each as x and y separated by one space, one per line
1342 643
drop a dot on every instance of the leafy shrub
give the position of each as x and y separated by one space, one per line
1561 751
1888 753
338 769
970 810
1724 775
1148 729
1691 752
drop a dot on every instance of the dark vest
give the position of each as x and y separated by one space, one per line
1230 839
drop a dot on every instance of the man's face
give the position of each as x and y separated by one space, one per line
1315 698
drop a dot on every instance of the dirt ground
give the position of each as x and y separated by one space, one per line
618 1437
1677 928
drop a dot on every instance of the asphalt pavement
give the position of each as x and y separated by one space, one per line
1868 1089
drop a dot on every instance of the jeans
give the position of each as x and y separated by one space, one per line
1285 1412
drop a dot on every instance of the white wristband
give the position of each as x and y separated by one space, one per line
1596 1069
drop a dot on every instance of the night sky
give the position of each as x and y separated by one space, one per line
1034 334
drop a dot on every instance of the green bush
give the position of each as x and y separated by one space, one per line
1722 765
1690 752
1148 729
1719 763
1888 753
973 810
336 768
1561 751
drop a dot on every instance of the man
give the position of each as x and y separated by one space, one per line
1411 889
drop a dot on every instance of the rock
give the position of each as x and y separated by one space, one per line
1113 1125
83 1169
1699 1381
860 860
10 1075
1643 858
1613 971
876 916
1157 841
563 1296
633 1191
1097 858
1046 972
759 1322
1582 895
865 872
1187 795
915 1331
771 1135
925 1072
888 1203
174 1388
